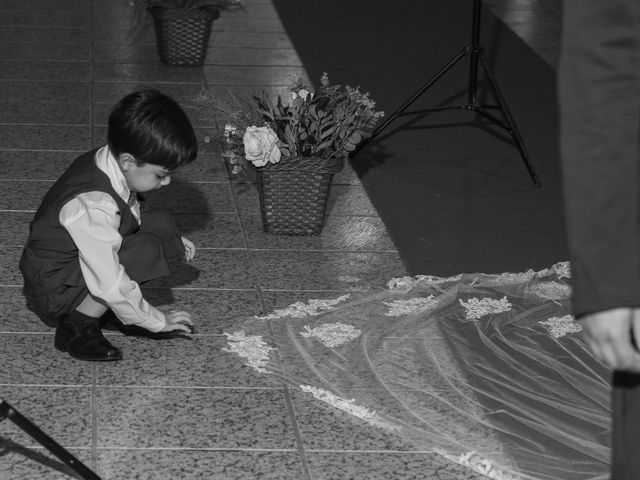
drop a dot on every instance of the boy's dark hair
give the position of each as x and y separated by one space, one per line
153 128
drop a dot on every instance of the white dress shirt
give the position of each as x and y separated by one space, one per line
92 220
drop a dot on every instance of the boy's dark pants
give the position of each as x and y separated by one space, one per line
599 97
146 255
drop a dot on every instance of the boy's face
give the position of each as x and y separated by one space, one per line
144 177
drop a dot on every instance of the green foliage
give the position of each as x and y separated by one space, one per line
329 123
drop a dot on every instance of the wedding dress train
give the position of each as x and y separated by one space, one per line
489 371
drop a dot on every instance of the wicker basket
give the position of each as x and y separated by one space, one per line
294 194
182 34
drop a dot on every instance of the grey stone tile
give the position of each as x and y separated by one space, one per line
101 113
46 71
63 413
207 167
217 55
74 17
192 418
349 200
15 316
37 92
284 57
326 270
14 228
111 92
228 269
149 72
250 75
348 233
29 52
33 165
9 273
72 113
386 466
221 38
216 230
253 11
182 197
196 465
240 23
46 5
45 137
23 195
194 361
43 34
346 176
214 311
35 361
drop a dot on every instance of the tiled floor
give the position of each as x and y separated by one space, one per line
183 409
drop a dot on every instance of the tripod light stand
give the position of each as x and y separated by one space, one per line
8 412
477 58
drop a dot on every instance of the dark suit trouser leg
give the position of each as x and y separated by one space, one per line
599 98
626 427
148 253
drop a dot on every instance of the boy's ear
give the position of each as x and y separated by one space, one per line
126 161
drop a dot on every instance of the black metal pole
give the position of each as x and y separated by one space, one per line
475 49
7 411
476 53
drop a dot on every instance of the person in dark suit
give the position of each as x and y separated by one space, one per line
599 98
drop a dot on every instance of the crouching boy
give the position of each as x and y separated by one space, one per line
90 246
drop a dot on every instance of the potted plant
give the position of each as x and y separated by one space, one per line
295 147
182 27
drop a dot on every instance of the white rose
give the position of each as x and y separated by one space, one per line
303 93
261 146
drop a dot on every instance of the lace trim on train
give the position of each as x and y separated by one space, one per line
478 308
332 334
551 290
301 309
252 348
561 326
343 404
407 307
478 464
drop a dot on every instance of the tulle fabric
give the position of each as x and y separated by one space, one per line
488 370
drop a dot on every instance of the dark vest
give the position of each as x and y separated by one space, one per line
50 258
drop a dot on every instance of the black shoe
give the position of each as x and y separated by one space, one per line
135 331
110 322
81 337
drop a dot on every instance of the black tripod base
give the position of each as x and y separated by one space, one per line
8 412
477 58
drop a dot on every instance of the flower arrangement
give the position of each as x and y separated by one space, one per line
329 123
141 7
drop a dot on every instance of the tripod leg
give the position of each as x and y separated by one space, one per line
400 110
513 128
7 411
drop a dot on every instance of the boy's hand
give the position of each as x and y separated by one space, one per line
189 249
178 320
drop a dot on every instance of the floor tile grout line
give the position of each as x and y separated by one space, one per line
94 368
296 427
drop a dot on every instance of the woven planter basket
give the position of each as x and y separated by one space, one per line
182 34
294 194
